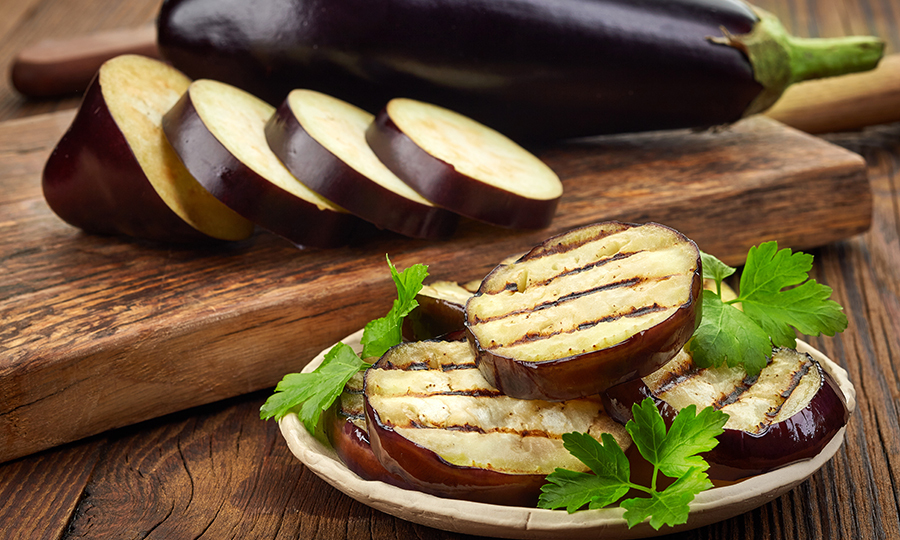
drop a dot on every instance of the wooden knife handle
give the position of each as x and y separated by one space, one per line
57 67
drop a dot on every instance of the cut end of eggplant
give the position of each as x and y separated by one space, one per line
464 166
138 92
787 413
436 422
321 140
218 131
586 310
115 172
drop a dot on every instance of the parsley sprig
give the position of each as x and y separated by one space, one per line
314 392
672 453
776 298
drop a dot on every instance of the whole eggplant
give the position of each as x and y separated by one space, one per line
536 70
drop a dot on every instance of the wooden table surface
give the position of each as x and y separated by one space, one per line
220 472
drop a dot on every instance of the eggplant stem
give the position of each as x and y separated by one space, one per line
780 59
828 57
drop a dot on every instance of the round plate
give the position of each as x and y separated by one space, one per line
482 519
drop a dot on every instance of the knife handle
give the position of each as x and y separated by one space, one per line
53 68
843 103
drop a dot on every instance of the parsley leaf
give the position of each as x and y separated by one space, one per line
670 506
672 453
314 392
382 334
805 306
608 484
777 298
727 335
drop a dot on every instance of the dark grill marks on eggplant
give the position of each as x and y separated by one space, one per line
617 282
587 310
753 403
793 409
462 421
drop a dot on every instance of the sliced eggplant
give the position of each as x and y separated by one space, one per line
441 311
114 172
586 310
787 413
322 141
464 166
436 422
218 131
348 433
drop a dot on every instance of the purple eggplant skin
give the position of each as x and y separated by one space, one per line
351 444
92 180
534 70
740 454
246 192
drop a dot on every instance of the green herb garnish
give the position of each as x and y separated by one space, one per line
314 392
776 297
672 453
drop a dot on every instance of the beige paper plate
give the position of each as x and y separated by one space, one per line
466 517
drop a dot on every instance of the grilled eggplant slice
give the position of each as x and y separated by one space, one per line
586 310
322 141
434 421
348 433
464 166
788 413
441 310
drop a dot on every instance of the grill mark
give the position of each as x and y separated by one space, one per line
792 385
457 367
421 366
601 234
470 428
473 392
631 282
673 378
735 395
584 325
513 286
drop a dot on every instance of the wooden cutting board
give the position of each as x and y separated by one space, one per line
103 332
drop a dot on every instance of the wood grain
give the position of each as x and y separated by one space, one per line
119 331
243 483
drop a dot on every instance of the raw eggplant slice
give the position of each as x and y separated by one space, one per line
322 141
787 413
348 433
218 131
434 421
113 172
464 166
586 310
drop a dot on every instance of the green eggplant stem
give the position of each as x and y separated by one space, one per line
780 59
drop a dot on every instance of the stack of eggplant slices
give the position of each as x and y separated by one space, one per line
152 154
567 338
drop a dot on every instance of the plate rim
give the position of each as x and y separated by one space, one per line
485 519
